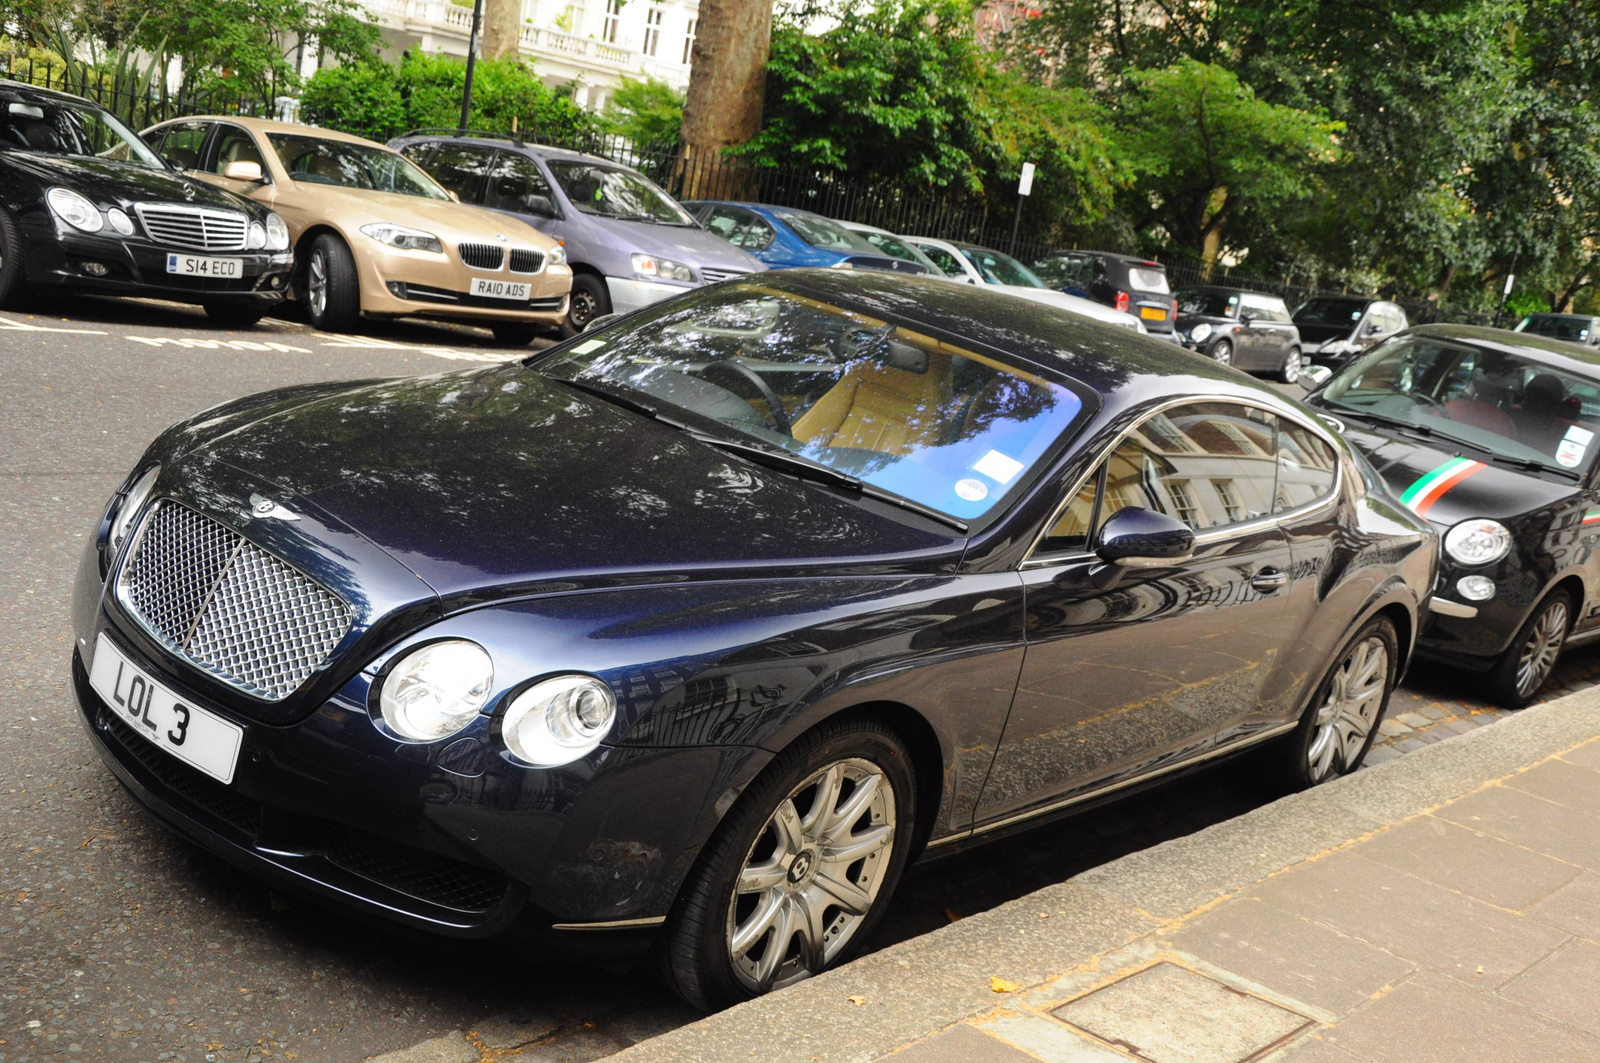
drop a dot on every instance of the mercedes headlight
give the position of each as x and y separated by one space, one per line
665 268
1200 332
127 510
277 233
1477 542
75 210
403 237
557 255
257 237
558 720
120 221
437 690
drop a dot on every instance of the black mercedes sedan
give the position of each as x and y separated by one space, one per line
86 206
1490 436
691 632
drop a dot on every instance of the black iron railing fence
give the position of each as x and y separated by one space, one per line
889 205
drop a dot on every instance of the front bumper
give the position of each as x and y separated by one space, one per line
135 266
628 295
399 282
1473 642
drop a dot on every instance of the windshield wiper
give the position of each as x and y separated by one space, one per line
1433 434
616 398
1380 418
1535 465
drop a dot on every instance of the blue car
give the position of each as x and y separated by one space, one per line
786 238
629 243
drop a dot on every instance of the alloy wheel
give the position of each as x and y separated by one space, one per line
1223 353
812 875
317 283
1291 367
1541 648
1350 709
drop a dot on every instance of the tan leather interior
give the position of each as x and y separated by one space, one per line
878 407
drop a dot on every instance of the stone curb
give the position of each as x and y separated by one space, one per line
917 987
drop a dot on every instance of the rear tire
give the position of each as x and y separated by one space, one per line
1222 352
589 300
330 287
765 904
13 274
514 333
236 315
1342 720
1522 671
1290 372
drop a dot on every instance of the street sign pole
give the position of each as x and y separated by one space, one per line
1024 187
1505 294
472 59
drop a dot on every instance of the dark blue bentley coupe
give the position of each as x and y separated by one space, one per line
690 633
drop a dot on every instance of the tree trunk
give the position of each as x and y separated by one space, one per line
727 85
502 28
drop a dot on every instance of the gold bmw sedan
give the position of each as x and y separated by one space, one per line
374 234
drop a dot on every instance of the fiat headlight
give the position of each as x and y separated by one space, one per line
665 268
437 690
277 233
1477 542
125 513
403 237
75 210
1200 332
558 720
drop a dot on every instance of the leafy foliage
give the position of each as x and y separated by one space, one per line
646 112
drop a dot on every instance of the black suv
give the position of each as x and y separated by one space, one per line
1133 285
1241 328
1583 329
1336 328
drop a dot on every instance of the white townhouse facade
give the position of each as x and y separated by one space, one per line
595 43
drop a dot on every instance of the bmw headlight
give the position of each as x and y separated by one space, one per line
1200 332
277 233
128 509
403 237
437 690
258 236
558 720
665 268
557 255
1477 542
75 210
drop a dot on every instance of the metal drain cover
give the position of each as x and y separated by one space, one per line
1169 1014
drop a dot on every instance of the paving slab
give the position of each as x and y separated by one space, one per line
1562 782
1574 908
1563 987
964 1044
1542 825
1490 869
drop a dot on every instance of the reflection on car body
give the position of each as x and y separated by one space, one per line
748 599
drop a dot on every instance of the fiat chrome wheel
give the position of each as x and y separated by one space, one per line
812 875
1350 708
1541 648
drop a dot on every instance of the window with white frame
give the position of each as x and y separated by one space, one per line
652 28
608 31
688 41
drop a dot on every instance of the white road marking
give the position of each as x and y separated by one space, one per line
217 345
371 343
23 326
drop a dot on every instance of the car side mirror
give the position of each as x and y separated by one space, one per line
1313 377
540 205
1135 537
453 197
1248 318
241 170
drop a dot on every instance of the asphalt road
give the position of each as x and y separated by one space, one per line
122 942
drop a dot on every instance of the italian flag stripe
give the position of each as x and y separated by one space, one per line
1433 485
1592 517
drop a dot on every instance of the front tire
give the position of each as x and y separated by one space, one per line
331 287
1523 670
1290 372
13 275
589 300
1222 352
799 872
1342 720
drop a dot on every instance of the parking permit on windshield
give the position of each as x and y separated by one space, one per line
996 466
1569 454
972 490
588 345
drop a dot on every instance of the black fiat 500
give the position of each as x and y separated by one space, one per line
85 205
692 631
1491 436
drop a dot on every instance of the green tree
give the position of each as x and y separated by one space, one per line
363 99
646 112
503 90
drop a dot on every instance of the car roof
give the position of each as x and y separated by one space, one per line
1565 317
1227 289
1545 350
511 143
41 92
1345 297
265 125
1131 260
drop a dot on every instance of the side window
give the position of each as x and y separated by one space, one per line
1307 467
418 152
1208 465
461 169
727 223
180 144
944 260
518 184
758 237
235 145
1278 312
1072 530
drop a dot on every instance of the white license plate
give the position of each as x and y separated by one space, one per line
199 738
500 289
194 266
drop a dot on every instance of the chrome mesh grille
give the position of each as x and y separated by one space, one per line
482 256
194 227
228 606
714 275
526 261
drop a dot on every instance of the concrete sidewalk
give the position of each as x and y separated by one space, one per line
1444 906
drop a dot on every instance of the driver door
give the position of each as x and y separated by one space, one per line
1120 682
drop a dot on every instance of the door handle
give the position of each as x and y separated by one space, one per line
1269 579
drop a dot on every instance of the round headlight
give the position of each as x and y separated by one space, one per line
277 233
558 720
75 210
1477 542
1475 588
435 691
558 255
257 237
1200 332
132 502
120 221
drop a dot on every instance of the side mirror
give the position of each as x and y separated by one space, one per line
1313 377
241 170
540 205
1248 318
1141 538
453 197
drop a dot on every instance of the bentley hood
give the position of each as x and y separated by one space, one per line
500 480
